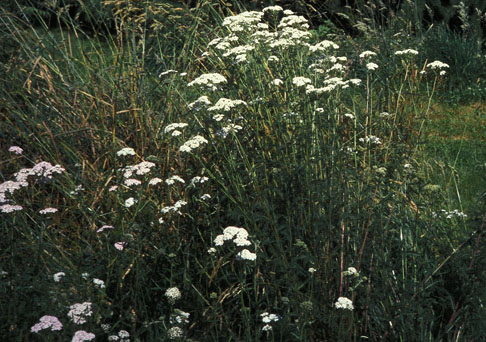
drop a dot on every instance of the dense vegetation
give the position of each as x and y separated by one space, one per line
209 171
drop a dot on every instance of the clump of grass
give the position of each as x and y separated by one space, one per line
274 192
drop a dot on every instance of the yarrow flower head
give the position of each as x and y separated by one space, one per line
120 245
81 336
79 311
245 254
372 66
48 211
175 333
193 143
57 277
301 81
351 271
201 102
344 303
173 294
437 65
406 52
173 179
99 230
367 53
127 151
47 322
226 105
16 150
210 81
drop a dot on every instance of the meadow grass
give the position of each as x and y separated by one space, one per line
244 181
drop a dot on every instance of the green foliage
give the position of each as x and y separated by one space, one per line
322 179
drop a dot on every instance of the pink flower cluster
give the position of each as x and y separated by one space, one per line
46 322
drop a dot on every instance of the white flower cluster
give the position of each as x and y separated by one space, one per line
294 21
179 317
193 143
323 46
173 179
437 65
238 235
366 54
371 139
173 127
57 277
173 294
132 182
351 271
450 214
344 303
272 9
223 132
199 103
245 254
371 66
226 105
127 151
268 318
174 208
210 81
123 336
175 333
198 180
245 21
139 169
41 170
406 52
79 311
277 82
301 81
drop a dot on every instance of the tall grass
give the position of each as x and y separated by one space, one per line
315 155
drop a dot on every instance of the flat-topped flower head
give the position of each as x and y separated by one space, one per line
82 336
127 151
47 322
371 66
210 81
79 312
245 254
437 65
200 103
272 9
16 150
173 294
193 143
367 53
323 46
344 304
406 52
226 105
301 81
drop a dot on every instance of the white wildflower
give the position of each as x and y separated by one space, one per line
367 53
301 81
205 197
273 59
175 333
210 81
311 270
226 105
272 9
371 66
199 103
79 311
173 126
245 254
130 201
218 117
351 271
127 151
99 283
57 277
167 72
173 294
193 143
344 303
277 82
437 65
173 179
371 139
406 52
132 182
323 46
155 181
